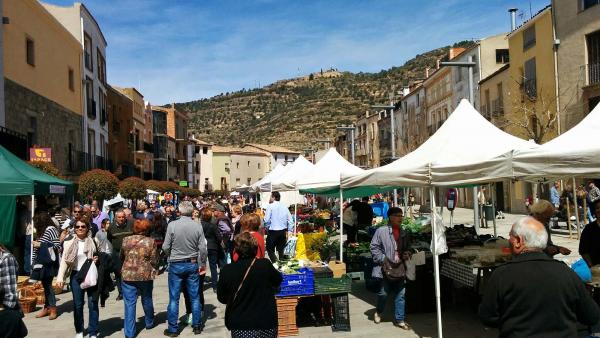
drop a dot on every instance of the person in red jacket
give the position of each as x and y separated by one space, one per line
251 223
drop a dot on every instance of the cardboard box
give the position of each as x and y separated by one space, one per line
338 268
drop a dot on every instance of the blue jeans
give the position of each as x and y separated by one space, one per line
79 301
213 260
48 292
183 273
396 288
130 292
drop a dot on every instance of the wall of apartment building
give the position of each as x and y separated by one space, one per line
248 168
120 149
142 127
578 75
438 95
82 25
543 53
221 171
40 100
373 153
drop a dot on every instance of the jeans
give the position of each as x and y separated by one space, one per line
213 260
130 292
27 255
180 273
396 288
48 292
116 263
79 301
186 296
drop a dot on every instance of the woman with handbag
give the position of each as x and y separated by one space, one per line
140 260
248 288
45 261
79 259
389 249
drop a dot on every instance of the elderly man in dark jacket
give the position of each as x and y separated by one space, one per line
534 295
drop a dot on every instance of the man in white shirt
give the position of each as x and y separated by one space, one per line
279 221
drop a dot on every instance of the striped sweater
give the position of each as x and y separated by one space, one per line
50 236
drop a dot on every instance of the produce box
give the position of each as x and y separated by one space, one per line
321 272
341 312
297 284
286 315
326 286
338 268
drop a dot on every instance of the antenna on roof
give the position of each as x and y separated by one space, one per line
530 11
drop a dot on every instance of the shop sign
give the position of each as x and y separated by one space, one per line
183 183
57 189
40 154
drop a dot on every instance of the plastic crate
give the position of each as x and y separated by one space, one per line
325 286
286 316
322 272
341 312
298 284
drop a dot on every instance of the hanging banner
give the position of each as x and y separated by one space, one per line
40 154
57 189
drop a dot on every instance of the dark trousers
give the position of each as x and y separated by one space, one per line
12 324
213 262
276 240
49 292
351 233
116 263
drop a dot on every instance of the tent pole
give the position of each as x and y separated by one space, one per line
475 210
405 201
32 231
341 225
569 217
436 264
576 208
295 217
493 192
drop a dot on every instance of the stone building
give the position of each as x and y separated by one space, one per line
42 89
278 155
200 173
120 140
234 167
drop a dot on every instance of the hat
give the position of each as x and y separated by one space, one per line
394 211
218 207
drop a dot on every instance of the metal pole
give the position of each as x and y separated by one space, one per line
471 89
295 217
405 202
436 264
352 150
32 231
475 210
341 225
493 192
569 217
576 208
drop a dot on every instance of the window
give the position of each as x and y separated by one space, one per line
102 103
593 47
502 56
205 150
248 181
286 158
237 165
30 51
529 37
529 81
71 80
500 95
89 96
589 3
101 66
248 164
258 165
418 100
87 51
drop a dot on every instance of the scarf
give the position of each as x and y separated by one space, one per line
88 248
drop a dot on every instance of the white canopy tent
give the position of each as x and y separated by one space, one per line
288 180
465 140
324 177
264 184
574 153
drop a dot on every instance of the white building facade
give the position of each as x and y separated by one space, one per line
200 173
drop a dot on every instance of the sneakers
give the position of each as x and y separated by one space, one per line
79 335
198 330
190 319
376 318
402 325
168 333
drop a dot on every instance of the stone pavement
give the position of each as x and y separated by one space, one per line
460 320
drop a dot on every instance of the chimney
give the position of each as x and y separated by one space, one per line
426 72
513 18
437 64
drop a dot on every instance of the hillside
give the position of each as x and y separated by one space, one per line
296 112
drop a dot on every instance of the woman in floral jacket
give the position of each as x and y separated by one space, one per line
140 260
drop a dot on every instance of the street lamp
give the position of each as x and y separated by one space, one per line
350 128
391 107
470 64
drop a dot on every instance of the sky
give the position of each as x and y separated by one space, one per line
184 50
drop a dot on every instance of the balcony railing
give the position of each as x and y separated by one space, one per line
148 147
593 72
497 108
80 162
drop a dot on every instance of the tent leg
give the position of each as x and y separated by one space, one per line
405 201
475 210
492 190
32 230
576 208
341 225
295 217
436 265
569 218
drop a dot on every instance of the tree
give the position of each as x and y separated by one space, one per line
133 188
154 185
46 167
98 185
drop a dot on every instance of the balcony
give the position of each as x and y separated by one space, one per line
148 147
80 161
497 108
593 73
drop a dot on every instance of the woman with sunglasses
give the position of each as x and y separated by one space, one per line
77 250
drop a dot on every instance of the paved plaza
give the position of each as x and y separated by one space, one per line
460 320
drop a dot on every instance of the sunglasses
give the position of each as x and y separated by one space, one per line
76 212
80 227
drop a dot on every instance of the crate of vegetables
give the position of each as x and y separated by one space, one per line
326 286
297 281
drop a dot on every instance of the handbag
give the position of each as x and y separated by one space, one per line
91 276
392 271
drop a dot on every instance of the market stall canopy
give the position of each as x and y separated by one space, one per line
152 192
264 184
574 153
242 188
464 140
324 177
19 178
288 180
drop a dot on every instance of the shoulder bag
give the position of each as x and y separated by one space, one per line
392 271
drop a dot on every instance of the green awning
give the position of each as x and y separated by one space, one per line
356 192
18 178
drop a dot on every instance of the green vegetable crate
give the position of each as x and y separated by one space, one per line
325 286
